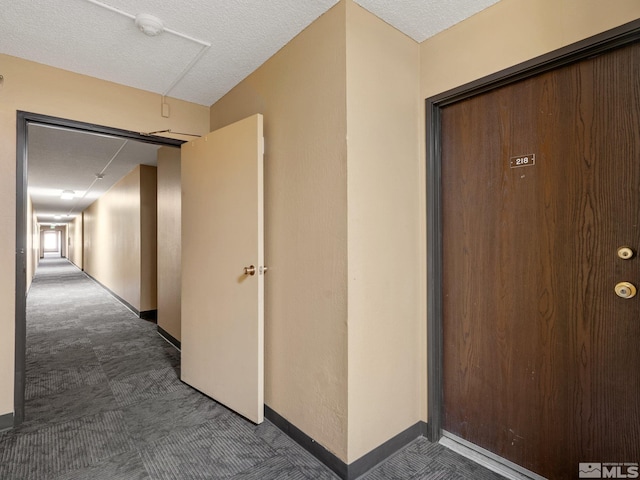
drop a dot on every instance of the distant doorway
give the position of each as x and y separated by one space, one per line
51 243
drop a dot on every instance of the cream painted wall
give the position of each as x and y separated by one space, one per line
76 242
148 238
120 238
37 88
169 241
112 239
385 325
301 93
386 320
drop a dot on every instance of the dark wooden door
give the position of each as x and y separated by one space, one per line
541 186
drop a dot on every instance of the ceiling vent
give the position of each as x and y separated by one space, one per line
149 25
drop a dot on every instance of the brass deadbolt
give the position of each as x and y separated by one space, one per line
625 253
625 290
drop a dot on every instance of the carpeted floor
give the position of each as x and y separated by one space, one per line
104 402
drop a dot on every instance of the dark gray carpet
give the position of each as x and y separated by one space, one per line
104 402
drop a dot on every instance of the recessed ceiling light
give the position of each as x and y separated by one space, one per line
57 217
68 195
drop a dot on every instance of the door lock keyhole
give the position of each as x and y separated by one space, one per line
625 253
625 290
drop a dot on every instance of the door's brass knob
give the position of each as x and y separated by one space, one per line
625 253
250 270
625 290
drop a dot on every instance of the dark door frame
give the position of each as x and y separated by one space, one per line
617 37
23 121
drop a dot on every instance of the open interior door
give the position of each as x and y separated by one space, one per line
223 266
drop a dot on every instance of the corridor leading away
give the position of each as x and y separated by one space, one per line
104 401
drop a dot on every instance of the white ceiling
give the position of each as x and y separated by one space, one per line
207 47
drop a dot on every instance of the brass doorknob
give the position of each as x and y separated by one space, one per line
250 270
625 253
625 290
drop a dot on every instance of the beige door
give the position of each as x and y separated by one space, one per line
222 233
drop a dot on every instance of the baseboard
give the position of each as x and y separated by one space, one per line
384 451
151 315
6 421
168 337
146 315
343 470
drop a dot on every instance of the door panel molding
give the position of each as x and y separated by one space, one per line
592 46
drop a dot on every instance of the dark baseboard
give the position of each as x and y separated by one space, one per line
168 337
360 466
306 442
6 421
151 315
146 315
384 451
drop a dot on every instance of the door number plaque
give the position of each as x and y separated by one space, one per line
523 161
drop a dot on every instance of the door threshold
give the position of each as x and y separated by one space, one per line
487 459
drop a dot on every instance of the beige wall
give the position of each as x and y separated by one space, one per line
120 237
37 88
148 238
76 242
301 92
169 241
386 320
310 382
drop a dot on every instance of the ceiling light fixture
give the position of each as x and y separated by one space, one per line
149 25
67 195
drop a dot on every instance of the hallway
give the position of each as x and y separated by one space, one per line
104 401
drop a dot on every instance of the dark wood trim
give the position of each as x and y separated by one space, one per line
6 421
168 337
23 120
360 466
598 44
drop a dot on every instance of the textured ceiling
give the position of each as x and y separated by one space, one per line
100 39
207 48
69 160
421 19
81 36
